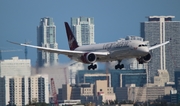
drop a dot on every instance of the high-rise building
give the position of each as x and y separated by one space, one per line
2 92
15 67
46 37
159 29
21 90
177 84
39 88
177 80
83 29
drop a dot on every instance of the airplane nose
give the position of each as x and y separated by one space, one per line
144 50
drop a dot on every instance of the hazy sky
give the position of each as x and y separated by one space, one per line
113 19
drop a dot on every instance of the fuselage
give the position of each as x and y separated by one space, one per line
118 50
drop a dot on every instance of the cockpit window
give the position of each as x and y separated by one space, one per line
142 45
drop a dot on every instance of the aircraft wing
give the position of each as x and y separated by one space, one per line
61 51
159 45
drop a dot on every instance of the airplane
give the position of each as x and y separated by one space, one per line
102 52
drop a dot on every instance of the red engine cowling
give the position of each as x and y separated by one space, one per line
88 58
144 59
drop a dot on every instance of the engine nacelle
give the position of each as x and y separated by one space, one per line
88 58
144 59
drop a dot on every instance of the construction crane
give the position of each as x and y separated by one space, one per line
54 94
7 51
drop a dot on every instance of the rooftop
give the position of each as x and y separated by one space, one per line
169 16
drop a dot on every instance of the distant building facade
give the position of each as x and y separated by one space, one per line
116 78
46 37
159 29
177 80
96 93
92 78
174 96
15 67
141 94
83 29
21 90
161 78
177 83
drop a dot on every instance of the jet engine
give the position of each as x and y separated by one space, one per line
144 59
88 58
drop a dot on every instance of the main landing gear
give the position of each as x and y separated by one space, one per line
120 66
92 66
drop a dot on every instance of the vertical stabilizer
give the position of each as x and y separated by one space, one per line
71 39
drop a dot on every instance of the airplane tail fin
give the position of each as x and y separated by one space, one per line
71 39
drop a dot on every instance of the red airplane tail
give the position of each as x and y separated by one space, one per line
71 39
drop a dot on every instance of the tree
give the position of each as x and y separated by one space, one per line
38 104
11 104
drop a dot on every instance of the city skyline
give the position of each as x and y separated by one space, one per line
20 89
112 19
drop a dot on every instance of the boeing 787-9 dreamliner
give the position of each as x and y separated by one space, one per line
102 52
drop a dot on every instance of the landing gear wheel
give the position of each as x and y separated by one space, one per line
116 67
89 67
92 66
95 66
120 66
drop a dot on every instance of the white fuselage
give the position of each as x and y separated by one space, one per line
118 50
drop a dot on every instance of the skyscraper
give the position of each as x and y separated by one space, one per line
177 84
159 29
83 29
46 37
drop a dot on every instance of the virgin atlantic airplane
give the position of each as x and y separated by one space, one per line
102 52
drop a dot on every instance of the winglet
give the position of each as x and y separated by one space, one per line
71 39
13 42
